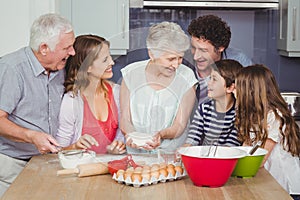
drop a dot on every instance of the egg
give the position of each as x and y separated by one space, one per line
164 172
130 169
146 170
127 174
138 170
162 165
170 166
120 173
179 169
155 174
136 176
155 167
146 176
171 171
145 167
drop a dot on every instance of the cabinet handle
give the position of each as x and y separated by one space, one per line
123 20
280 18
294 23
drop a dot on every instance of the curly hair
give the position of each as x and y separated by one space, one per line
211 28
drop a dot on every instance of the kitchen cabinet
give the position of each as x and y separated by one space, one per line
16 19
109 19
289 28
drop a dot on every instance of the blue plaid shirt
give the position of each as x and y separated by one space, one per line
30 97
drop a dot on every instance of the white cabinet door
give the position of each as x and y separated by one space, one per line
16 19
289 28
109 19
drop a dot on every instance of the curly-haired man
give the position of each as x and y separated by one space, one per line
210 38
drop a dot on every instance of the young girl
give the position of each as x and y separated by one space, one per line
263 115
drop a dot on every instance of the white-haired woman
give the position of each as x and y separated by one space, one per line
157 95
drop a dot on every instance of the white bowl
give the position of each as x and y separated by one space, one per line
214 152
140 139
70 159
247 149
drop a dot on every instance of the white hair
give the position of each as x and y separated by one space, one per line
47 29
167 36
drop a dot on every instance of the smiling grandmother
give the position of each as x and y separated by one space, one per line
157 95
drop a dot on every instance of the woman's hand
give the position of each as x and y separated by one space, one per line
156 140
116 147
86 141
130 143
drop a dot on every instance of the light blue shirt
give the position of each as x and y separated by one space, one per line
238 55
31 98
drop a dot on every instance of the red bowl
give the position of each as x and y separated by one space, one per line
114 166
210 166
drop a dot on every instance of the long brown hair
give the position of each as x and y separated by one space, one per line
87 48
257 94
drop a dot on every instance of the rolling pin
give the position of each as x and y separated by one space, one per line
86 170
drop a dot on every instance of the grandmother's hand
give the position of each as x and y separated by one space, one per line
130 143
156 140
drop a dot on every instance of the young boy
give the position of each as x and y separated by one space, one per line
214 120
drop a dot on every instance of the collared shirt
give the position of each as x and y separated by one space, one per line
31 98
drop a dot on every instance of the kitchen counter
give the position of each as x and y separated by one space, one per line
38 180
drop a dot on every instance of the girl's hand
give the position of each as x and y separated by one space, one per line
116 147
86 141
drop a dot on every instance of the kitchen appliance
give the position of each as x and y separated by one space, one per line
293 101
274 4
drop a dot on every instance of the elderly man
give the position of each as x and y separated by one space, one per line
31 88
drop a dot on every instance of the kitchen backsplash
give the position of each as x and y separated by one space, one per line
253 31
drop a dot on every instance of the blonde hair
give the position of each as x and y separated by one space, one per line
257 94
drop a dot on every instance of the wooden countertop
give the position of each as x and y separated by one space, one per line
38 180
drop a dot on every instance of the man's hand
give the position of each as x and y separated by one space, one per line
44 142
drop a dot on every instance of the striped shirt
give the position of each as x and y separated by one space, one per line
210 127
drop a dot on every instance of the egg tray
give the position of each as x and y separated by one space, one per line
153 180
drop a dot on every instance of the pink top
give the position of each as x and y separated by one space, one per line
103 131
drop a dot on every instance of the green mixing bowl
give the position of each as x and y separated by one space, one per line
248 166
